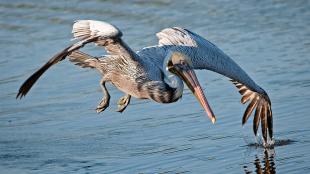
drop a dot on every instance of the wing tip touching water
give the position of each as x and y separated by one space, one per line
263 112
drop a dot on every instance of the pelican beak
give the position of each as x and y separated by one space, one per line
189 77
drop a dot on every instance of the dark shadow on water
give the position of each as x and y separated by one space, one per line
264 163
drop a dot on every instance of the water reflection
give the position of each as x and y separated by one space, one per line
264 161
264 164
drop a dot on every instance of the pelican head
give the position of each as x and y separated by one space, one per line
181 65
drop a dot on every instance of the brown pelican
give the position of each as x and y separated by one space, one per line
158 72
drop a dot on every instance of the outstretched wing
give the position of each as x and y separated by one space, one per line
206 55
86 31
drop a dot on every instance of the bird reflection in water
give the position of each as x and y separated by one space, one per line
264 164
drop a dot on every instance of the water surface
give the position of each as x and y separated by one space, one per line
55 128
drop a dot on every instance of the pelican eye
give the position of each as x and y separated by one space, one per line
182 62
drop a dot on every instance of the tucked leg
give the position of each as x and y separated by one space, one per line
104 103
123 102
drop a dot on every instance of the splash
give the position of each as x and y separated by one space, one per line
271 143
259 142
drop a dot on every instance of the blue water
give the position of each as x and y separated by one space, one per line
55 129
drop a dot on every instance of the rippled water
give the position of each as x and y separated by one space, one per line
55 128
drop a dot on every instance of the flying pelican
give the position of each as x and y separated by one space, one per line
158 72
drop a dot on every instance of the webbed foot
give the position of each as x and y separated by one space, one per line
104 104
123 102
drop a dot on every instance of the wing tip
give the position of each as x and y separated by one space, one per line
27 85
266 120
19 96
260 102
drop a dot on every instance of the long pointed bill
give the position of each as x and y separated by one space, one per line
192 82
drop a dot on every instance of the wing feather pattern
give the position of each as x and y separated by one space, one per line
262 106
